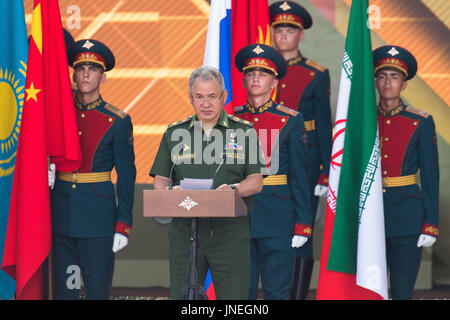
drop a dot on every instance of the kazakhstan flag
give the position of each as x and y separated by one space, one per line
13 66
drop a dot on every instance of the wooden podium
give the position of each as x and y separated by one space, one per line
193 203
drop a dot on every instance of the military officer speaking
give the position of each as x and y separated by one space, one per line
211 145
282 218
88 225
305 88
408 145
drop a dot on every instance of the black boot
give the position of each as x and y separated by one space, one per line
302 277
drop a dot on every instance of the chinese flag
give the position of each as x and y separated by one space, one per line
48 130
250 23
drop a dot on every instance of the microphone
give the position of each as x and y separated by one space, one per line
215 173
172 169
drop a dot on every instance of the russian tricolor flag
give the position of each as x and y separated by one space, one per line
218 44
232 25
218 55
228 32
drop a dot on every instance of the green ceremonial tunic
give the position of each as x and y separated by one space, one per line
230 153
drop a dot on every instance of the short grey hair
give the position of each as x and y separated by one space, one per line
206 73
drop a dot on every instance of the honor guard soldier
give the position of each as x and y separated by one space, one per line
211 144
305 88
408 145
282 217
88 225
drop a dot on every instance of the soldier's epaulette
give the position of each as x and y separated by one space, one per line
115 110
239 120
287 110
176 123
418 112
315 65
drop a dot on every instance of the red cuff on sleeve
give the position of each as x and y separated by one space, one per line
323 180
123 228
430 230
302 230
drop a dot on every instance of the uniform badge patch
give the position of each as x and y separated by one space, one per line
232 145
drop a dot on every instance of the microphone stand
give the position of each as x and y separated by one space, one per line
195 291
192 291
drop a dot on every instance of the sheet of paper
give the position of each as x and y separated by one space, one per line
196 184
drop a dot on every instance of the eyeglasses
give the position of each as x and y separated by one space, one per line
211 100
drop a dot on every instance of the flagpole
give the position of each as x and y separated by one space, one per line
50 277
353 261
50 295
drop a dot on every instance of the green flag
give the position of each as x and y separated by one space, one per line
353 250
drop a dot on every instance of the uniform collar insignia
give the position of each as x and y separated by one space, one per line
260 109
295 60
89 106
223 120
191 123
393 112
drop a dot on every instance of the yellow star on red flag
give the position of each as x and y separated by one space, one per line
32 92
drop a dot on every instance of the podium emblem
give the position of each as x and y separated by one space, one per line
188 203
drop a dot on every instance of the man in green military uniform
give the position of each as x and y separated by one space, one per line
210 144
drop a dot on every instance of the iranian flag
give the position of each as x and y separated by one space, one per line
353 261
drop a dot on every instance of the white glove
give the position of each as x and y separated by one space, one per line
120 241
298 241
51 175
320 190
426 240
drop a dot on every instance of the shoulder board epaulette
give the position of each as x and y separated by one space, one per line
237 109
115 110
239 120
177 123
287 110
421 113
315 65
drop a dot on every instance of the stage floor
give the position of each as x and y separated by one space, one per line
158 293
